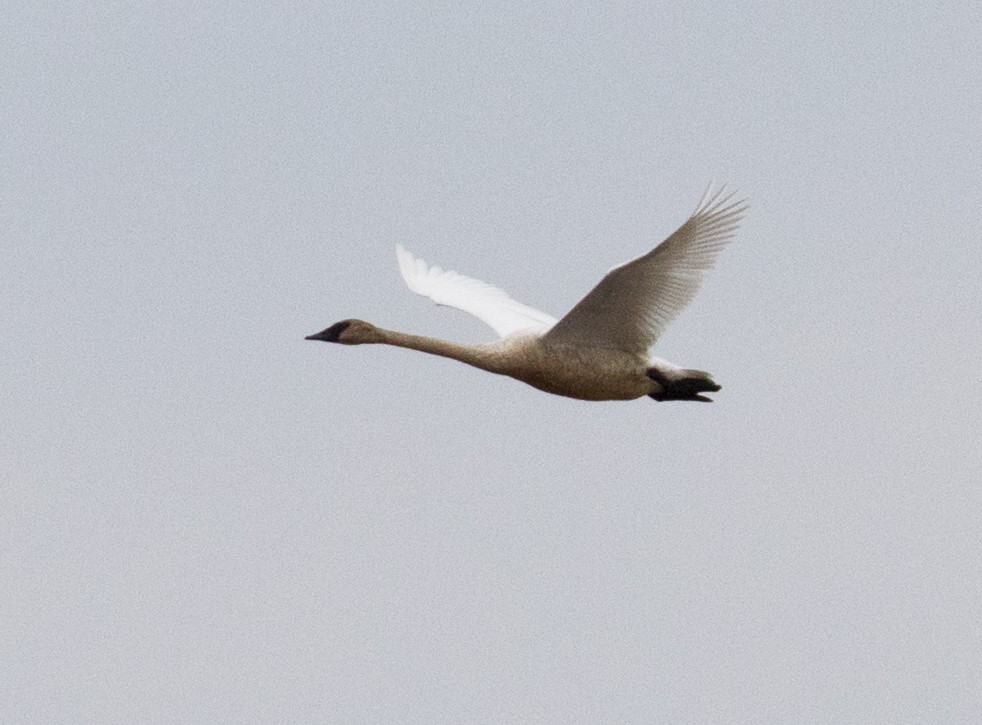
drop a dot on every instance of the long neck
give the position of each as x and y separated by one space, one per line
480 356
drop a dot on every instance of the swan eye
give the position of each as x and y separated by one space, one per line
335 330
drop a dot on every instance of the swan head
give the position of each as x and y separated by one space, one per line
348 332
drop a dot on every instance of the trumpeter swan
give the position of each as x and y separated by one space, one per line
599 350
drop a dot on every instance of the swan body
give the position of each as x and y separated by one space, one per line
599 349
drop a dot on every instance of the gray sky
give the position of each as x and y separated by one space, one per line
206 518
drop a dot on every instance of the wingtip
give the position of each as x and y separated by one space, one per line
405 261
705 195
721 201
411 268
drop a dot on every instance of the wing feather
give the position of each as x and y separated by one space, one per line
486 302
632 305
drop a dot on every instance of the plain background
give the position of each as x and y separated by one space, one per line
205 518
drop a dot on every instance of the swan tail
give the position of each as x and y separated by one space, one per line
686 385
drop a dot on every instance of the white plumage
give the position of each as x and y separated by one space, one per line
486 302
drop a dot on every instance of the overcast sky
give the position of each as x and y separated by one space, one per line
205 518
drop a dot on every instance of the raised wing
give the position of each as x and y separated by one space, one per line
633 304
487 303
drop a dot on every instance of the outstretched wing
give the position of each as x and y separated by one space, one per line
487 303
633 304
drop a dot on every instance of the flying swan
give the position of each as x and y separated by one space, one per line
599 350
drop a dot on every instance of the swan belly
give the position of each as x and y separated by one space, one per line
582 373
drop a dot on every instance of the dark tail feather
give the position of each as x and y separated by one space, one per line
684 388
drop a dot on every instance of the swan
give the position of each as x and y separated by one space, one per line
599 350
